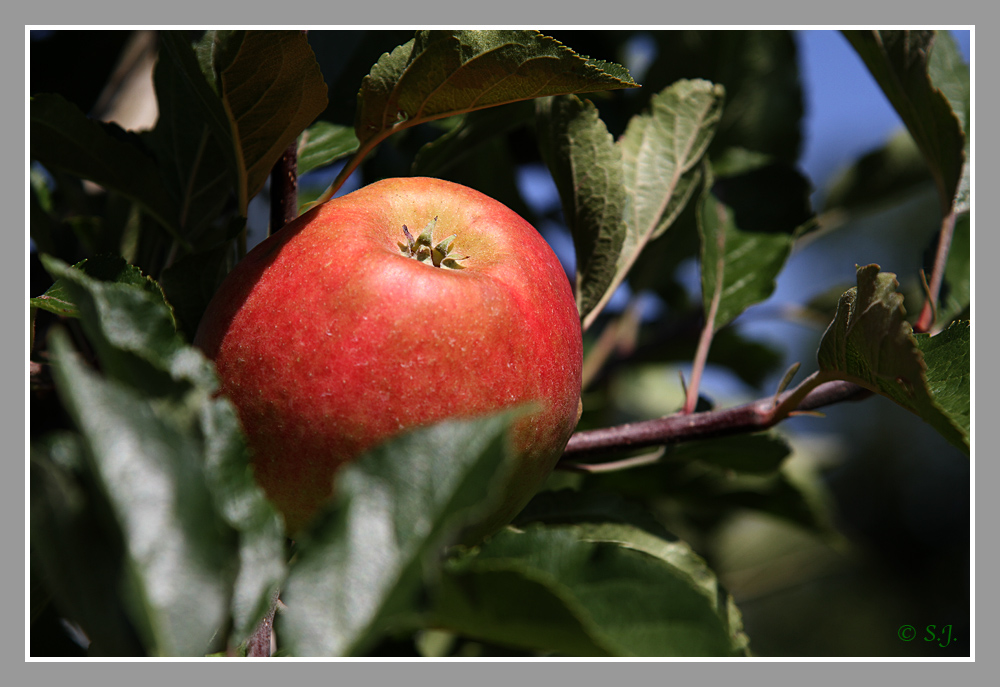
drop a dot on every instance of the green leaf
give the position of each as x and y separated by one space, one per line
323 144
871 344
243 506
738 267
592 589
467 138
357 572
75 551
191 143
132 330
950 74
179 430
442 73
586 166
948 359
178 555
62 137
112 269
956 291
271 88
899 62
660 154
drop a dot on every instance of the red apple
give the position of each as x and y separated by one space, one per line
405 303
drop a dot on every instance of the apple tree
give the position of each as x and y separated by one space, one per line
675 206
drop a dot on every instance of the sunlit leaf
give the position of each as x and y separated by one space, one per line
131 328
441 73
871 344
948 359
171 388
589 589
59 298
323 144
358 570
179 576
660 154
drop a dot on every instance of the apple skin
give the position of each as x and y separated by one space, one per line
329 339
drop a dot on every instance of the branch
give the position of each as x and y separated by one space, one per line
752 417
259 644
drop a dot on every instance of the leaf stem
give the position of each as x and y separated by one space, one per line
284 189
708 331
926 319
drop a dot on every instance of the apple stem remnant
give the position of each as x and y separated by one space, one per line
423 247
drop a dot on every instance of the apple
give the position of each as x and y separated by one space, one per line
405 303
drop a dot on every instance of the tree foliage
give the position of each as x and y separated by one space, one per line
148 534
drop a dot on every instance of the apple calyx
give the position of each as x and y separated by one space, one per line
422 248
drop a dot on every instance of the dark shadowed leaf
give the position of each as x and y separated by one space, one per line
871 344
190 283
466 139
697 481
881 176
568 507
197 162
62 137
759 70
359 569
586 166
78 554
753 453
